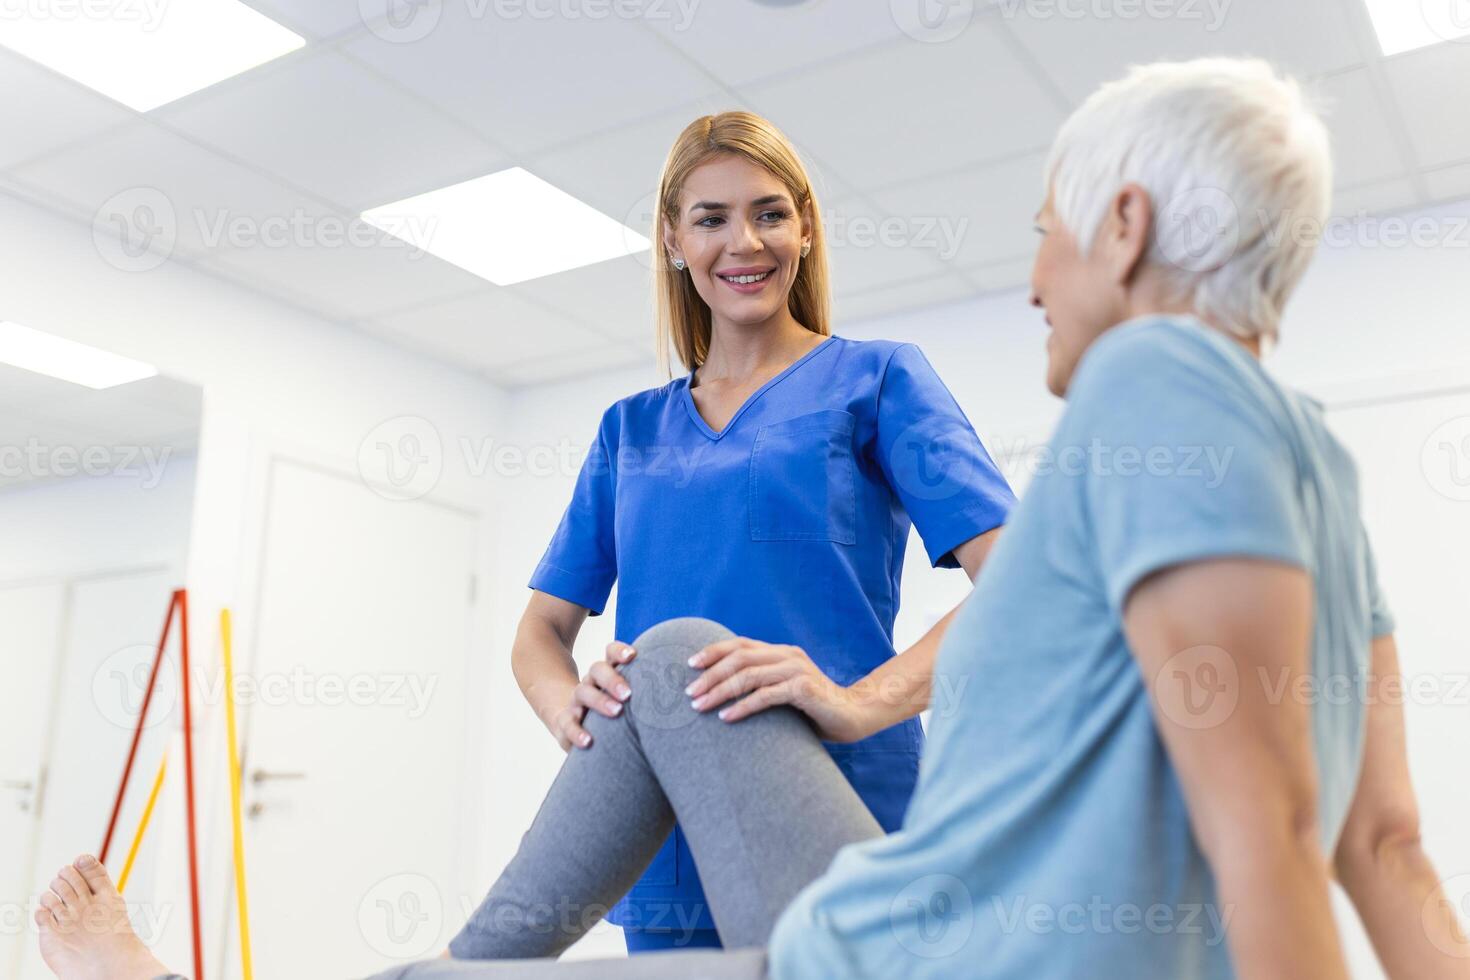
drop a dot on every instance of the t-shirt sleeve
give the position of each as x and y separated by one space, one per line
1180 461
580 564
934 461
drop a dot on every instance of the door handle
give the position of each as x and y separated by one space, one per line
262 776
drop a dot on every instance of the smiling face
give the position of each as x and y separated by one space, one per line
741 235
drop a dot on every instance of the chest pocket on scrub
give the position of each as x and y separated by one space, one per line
803 480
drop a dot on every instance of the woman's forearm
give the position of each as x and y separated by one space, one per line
1274 900
1414 929
544 668
903 685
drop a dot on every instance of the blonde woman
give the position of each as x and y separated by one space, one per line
771 489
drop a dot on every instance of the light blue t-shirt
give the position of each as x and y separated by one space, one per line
1048 836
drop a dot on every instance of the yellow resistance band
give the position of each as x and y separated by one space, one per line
241 905
122 879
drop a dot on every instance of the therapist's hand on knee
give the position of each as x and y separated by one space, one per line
602 690
761 675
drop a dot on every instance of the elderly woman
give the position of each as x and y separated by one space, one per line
1130 787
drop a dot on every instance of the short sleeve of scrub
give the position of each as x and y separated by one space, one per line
934 461
1210 477
1383 621
580 563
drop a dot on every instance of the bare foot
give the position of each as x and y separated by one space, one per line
85 932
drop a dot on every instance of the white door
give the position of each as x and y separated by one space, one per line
30 642
355 740
110 635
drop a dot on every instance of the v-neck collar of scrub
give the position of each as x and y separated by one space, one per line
704 426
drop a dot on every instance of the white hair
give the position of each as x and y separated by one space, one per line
1232 157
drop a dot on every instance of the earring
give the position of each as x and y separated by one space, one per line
679 264
805 248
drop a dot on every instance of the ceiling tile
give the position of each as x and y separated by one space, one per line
530 81
900 298
320 18
1306 37
486 329
337 130
1374 198
1363 145
343 281
42 111
614 297
988 211
558 367
871 247
1450 183
741 41
191 196
913 109
1430 85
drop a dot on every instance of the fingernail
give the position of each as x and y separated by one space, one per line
690 689
87 861
697 703
624 693
585 740
628 653
617 708
723 712
694 660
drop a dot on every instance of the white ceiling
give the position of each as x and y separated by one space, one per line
936 135
49 427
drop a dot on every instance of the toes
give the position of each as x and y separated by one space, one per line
65 892
94 874
74 878
44 918
53 905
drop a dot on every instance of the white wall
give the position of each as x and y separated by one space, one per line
275 381
1374 322
59 528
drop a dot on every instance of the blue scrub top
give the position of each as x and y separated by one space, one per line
787 526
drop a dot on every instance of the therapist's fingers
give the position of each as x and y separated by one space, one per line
569 730
759 700
715 651
589 695
618 652
606 677
742 683
731 663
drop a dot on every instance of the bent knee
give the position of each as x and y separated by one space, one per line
683 633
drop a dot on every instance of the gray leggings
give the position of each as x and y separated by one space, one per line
761 802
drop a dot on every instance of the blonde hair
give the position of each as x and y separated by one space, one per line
1228 150
683 318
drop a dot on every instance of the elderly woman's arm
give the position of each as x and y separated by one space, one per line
1379 860
1247 771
